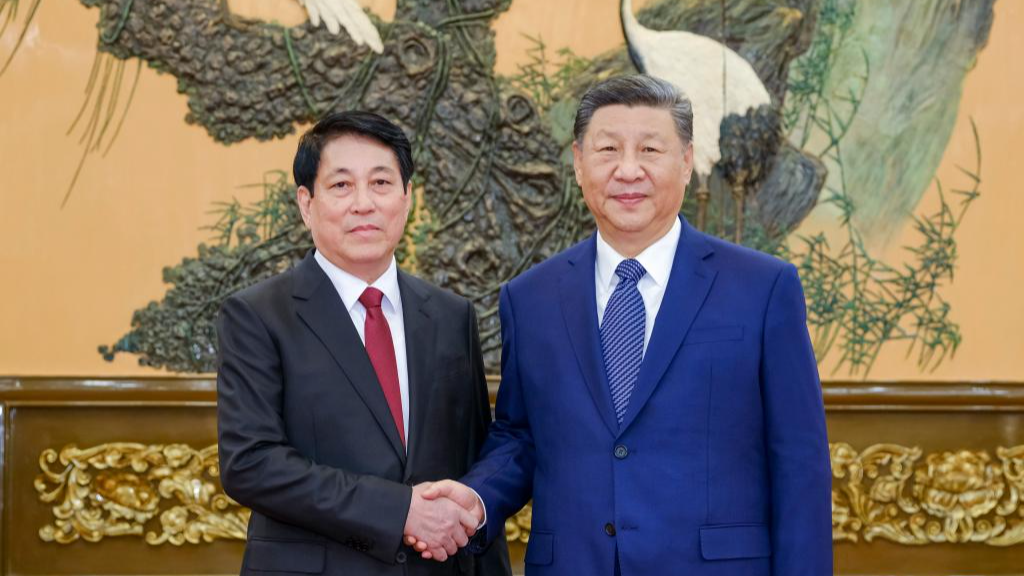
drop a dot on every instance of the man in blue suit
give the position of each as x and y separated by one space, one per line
660 398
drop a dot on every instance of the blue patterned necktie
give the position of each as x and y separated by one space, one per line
622 334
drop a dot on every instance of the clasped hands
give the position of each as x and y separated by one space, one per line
443 516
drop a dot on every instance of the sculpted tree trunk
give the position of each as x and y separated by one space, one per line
495 192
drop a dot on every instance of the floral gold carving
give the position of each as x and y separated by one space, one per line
118 489
170 494
899 494
517 528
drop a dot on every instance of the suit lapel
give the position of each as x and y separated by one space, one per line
579 309
688 287
420 340
322 310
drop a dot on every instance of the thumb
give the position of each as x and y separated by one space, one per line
438 490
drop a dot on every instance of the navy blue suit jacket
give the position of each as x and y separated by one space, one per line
721 464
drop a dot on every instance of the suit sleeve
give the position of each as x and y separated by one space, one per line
797 443
260 470
503 477
493 558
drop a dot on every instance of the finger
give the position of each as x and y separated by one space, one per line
461 539
435 490
462 495
426 555
439 554
449 545
468 521
420 546
438 489
469 500
410 540
478 513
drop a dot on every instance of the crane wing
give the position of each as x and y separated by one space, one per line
347 14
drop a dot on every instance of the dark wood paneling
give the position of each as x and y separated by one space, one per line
40 413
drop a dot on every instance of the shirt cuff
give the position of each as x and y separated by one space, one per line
484 507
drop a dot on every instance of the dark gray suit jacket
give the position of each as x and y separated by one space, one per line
307 440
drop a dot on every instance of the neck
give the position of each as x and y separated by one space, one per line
369 276
631 244
368 272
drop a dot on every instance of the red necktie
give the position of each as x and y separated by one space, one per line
381 349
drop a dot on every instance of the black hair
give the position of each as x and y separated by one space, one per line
635 90
335 124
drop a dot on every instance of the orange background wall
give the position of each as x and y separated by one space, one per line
72 277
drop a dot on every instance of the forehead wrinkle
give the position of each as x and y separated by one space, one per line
349 171
619 134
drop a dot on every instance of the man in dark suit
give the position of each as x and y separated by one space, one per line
346 385
659 397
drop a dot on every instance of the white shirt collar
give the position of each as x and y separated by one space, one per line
656 259
350 287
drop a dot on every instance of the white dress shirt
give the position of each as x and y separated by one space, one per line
350 288
657 261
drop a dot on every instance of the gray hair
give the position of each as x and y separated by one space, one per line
635 90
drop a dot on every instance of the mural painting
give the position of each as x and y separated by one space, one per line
835 107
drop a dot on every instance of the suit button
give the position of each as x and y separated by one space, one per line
400 557
609 529
621 452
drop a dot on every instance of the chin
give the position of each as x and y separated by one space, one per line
630 223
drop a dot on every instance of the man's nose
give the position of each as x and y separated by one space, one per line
629 168
363 201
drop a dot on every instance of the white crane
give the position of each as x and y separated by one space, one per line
347 14
699 66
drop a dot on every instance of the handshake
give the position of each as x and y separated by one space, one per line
443 516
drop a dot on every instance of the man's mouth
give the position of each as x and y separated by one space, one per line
629 198
365 228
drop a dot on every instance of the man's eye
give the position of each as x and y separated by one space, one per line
607 149
650 149
382 182
340 185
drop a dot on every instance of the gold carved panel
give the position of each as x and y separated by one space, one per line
517 528
171 494
896 493
118 489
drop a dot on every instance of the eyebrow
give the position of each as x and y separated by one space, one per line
380 168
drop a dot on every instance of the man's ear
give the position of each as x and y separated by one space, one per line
577 161
688 162
303 196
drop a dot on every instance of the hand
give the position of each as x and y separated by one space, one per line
456 492
439 526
